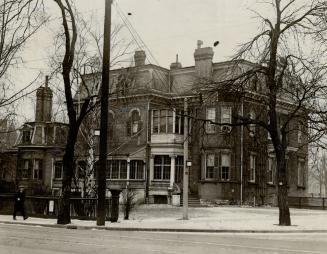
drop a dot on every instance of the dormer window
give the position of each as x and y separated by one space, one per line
26 139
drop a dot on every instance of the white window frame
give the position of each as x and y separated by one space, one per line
300 173
210 116
225 110
119 172
36 169
168 114
138 167
271 169
54 171
162 166
213 165
221 166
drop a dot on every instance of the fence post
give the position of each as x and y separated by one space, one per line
300 204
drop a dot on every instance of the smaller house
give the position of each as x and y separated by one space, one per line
40 146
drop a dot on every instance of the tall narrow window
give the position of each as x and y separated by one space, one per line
252 168
225 166
179 169
179 122
300 173
226 115
37 171
26 168
210 166
114 169
161 167
211 118
135 121
155 121
26 137
226 118
271 170
163 116
136 170
58 170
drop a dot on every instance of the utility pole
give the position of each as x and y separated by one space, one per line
186 169
101 209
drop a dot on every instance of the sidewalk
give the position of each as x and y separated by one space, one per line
215 219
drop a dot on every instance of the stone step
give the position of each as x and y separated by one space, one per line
193 201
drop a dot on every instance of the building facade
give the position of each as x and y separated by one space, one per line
146 135
148 106
40 145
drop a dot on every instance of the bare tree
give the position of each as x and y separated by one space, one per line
286 82
318 173
19 21
80 69
75 119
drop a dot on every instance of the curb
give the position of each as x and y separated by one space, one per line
181 230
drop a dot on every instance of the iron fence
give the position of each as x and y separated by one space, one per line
308 202
40 206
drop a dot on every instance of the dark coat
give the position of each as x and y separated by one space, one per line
20 198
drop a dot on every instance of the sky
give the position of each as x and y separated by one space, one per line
167 28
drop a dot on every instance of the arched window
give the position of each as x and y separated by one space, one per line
134 124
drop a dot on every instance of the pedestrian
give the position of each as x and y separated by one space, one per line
19 203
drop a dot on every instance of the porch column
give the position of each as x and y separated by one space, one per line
128 171
172 170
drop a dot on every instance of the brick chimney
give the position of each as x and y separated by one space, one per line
203 60
43 112
176 65
139 58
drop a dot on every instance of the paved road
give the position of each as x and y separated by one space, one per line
41 240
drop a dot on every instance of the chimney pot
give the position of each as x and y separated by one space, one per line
139 58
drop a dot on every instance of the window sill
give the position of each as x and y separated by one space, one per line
216 181
271 184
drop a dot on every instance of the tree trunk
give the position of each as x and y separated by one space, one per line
284 211
282 192
68 170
